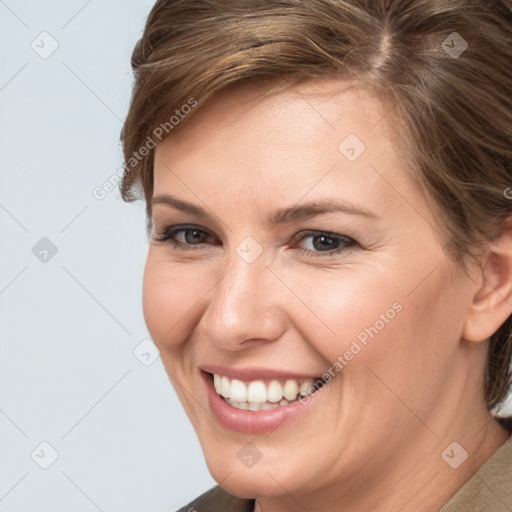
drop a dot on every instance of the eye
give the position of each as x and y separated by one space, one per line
179 237
318 243
323 243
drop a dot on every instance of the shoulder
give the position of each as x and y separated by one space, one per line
218 500
489 489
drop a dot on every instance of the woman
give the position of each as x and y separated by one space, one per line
329 279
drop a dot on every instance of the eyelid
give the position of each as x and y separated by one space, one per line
168 230
316 232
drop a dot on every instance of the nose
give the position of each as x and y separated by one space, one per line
246 306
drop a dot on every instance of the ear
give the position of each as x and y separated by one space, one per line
492 301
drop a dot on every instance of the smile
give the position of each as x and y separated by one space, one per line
262 395
259 400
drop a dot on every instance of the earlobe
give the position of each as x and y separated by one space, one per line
492 301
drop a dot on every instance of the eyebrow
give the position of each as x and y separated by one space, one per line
279 216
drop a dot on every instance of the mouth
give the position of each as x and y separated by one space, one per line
264 394
257 401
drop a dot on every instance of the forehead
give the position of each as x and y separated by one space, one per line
296 124
333 103
306 142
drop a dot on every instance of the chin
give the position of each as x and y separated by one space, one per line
248 483
264 478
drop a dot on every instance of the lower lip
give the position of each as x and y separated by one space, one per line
254 422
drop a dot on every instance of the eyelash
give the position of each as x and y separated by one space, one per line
347 243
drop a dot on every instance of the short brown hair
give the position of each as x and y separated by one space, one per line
444 66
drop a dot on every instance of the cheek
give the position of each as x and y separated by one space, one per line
170 299
343 311
412 356
358 320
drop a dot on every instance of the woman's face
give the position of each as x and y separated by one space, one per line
302 251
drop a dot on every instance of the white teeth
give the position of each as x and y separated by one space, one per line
256 396
224 387
257 392
238 405
238 391
291 390
275 391
305 387
268 405
253 406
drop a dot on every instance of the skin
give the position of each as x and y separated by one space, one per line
373 437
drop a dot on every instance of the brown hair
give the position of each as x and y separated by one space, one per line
444 66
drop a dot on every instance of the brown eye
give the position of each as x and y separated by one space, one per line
180 237
325 244
193 236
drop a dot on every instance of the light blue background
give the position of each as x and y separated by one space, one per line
69 326
68 374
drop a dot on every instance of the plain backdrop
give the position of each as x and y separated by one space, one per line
88 418
74 366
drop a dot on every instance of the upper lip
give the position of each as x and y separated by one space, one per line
254 373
